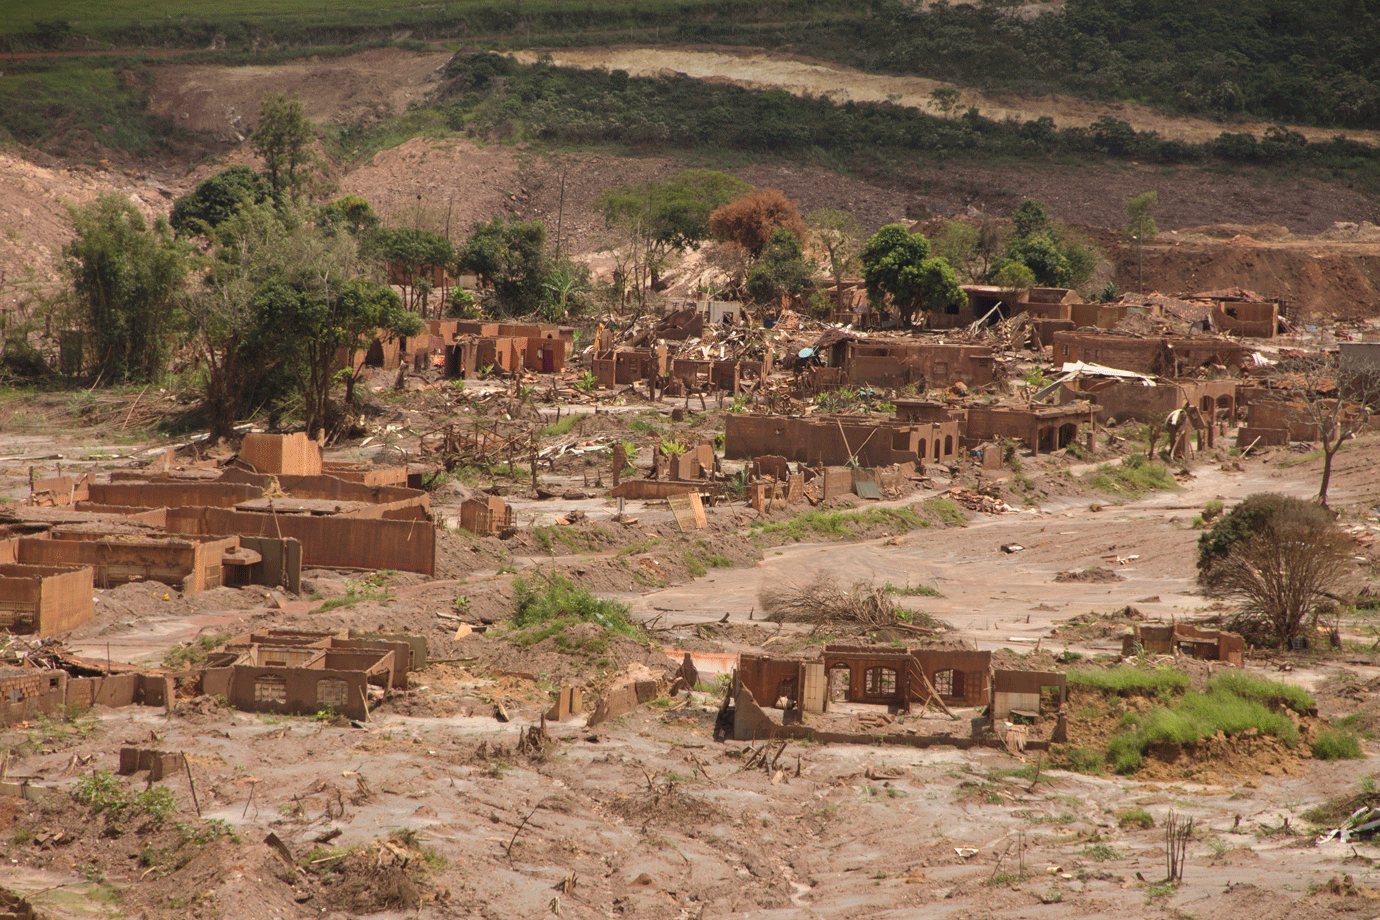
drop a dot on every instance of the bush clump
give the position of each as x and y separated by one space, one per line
1278 557
544 609
1336 744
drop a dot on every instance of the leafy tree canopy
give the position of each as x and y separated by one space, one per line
216 199
897 266
126 278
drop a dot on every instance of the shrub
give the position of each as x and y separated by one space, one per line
1278 556
560 603
1335 744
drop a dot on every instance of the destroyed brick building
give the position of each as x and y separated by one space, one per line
905 361
304 673
1165 356
1184 639
847 679
831 441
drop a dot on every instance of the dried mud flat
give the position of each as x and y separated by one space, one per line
443 811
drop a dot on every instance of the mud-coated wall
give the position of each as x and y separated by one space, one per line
327 542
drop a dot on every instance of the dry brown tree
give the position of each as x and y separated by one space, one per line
751 220
1317 400
828 607
1279 558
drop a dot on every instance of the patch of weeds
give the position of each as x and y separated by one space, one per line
103 793
1079 760
1262 690
1128 680
910 590
1100 852
1160 890
543 610
562 426
1135 818
1195 717
194 653
1134 476
1333 744
373 588
1295 461
842 525
639 548
948 513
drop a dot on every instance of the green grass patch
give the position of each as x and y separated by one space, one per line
1136 818
949 514
910 590
1297 461
1128 680
548 607
638 548
1335 744
561 426
1196 717
1078 760
1134 476
1261 690
842 525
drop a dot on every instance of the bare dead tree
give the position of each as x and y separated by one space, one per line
1317 400
1177 833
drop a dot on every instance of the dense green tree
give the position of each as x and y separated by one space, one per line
411 255
1030 218
216 199
898 267
509 258
1042 255
281 140
285 306
126 278
352 214
783 270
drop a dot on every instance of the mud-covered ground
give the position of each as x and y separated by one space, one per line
443 810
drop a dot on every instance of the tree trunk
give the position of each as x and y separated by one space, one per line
1327 473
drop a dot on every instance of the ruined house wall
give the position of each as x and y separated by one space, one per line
26 693
827 441
971 669
1253 320
327 541
294 454
324 488
225 494
769 678
297 691
190 565
1158 356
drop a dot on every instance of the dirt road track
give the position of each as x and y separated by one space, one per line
763 70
